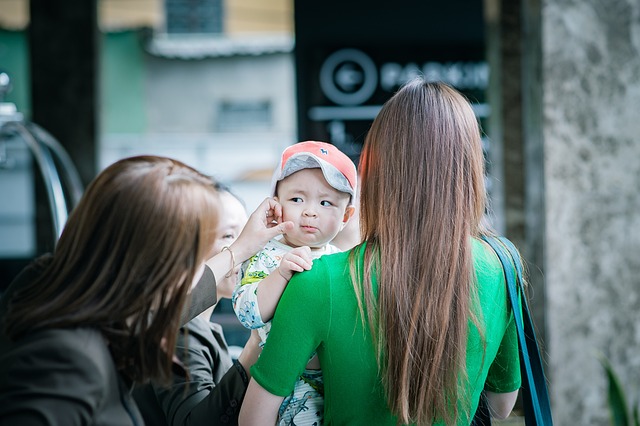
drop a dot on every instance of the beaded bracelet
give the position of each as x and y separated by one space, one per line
233 261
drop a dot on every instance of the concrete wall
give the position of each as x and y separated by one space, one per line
591 133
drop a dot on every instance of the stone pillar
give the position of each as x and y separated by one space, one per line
590 80
515 163
533 163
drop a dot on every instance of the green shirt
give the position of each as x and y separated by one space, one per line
319 311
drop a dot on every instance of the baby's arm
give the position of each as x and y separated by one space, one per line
263 266
270 289
244 299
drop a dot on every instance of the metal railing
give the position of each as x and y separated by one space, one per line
61 179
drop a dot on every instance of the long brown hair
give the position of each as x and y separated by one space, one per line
422 199
125 263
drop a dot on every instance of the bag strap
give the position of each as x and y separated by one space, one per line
535 394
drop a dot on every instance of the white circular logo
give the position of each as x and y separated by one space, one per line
348 77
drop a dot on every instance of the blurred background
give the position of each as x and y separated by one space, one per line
225 85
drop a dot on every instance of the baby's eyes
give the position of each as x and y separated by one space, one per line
323 203
228 236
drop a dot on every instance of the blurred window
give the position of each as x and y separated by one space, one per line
194 16
244 116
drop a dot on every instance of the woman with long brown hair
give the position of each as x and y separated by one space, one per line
413 324
79 327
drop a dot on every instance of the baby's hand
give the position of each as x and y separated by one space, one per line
297 260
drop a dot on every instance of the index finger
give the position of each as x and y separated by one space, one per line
273 210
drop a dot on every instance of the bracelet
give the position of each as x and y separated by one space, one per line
233 261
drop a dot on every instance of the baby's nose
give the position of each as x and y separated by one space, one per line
310 213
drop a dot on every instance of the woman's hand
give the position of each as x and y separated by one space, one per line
264 224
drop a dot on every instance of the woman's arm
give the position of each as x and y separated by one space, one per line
264 224
259 406
501 404
200 400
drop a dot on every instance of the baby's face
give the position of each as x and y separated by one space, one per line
317 210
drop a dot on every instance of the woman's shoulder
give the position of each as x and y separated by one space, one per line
332 263
326 276
29 273
486 261
67 374
80 351
91 338
323 267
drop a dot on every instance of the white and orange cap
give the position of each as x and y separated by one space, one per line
337 168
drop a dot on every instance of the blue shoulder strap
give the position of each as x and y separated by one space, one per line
535 395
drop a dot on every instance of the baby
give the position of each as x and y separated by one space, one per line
315 183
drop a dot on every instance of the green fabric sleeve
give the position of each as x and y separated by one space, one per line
501 340
504 373
297 329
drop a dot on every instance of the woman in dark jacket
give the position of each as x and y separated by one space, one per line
208 386
78 328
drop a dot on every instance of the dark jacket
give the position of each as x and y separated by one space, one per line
67 377
212 394
60 377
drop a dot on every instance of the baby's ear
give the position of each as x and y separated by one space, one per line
348 214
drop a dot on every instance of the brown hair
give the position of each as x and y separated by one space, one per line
125 263
422 199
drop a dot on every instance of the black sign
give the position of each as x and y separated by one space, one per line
347 68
